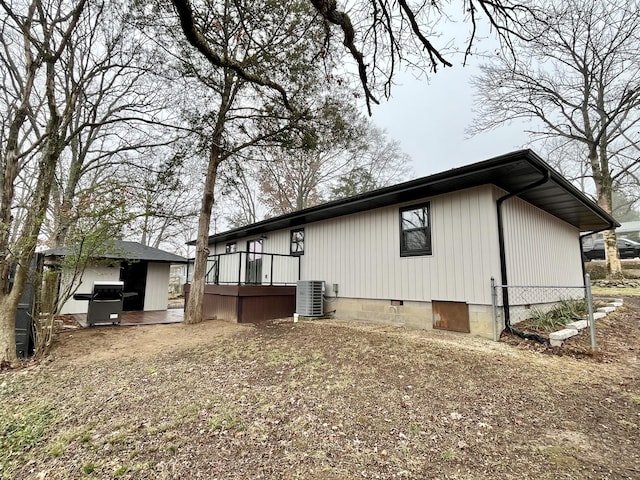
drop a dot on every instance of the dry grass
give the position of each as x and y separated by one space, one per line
615 292
320 400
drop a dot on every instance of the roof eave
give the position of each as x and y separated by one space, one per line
414 189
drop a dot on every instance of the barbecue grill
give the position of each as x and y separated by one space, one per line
105 302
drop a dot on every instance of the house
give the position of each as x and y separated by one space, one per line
144 271
421 253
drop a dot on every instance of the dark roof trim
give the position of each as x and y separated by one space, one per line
509 172
123 250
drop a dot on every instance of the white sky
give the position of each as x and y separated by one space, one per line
429 119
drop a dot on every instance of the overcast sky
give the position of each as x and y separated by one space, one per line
429 119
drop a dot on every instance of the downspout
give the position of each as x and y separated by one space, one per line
503 259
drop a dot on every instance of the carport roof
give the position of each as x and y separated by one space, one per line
123 250
511 172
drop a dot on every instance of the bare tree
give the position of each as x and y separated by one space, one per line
346 160
240 189
379 36
44 31
579 77
162 197
294 179
230 113
119 117
380 162
75 103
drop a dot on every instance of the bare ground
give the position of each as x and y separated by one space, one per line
324 400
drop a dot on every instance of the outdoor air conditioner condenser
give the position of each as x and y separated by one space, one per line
309 298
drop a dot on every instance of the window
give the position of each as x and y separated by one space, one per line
230 247
415 231
297 242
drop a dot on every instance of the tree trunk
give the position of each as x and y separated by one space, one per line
614 266
8 309
193 313
604 189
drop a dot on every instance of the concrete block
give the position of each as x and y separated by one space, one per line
606 309
599 315
563 334
560 336
618 300
615 304
578 325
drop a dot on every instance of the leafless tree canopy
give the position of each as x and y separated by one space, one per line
379 35
579 79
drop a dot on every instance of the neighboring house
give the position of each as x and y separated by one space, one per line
144 270
423 252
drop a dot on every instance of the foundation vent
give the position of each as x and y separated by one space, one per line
309 298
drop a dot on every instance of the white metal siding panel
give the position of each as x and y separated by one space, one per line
229 269
540 248
277 242
156 295
91 274
361 252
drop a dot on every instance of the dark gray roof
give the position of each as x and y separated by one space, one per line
123 250
511 172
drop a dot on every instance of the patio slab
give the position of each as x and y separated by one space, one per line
157 317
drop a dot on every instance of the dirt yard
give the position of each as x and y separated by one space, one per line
323 400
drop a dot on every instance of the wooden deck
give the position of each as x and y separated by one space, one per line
247 303
172 315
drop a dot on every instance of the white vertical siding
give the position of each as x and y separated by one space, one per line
91 274
156 296
361 252
228 269
540 248
275 242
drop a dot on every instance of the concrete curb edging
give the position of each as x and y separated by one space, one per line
572 329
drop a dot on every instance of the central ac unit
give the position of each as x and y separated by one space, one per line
309 298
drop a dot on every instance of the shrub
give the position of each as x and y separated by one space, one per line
597 271
565 312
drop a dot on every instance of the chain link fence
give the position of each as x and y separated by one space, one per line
517 303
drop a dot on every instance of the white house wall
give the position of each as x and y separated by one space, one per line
91 274
540 248
275 242
156 296
361 252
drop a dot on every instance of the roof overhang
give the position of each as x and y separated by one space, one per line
126 251
511 173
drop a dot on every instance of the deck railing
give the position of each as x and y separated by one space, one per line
250 268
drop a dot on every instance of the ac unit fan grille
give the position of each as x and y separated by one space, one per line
309 298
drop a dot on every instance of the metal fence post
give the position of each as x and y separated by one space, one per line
592 323
494 307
